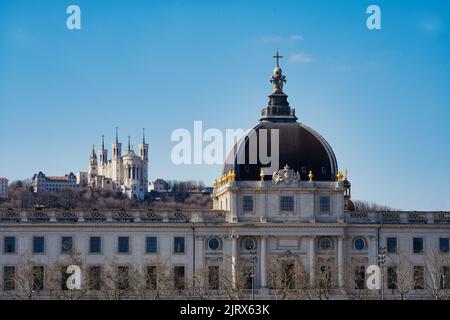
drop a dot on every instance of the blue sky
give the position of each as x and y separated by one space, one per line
380 98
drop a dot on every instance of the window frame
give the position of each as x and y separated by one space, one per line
284 203
328 205
395 249
147 238
128 245
44 245
447 249
90 245
245 203
422 245
5 252
175 250
72 249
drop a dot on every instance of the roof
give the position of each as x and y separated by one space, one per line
3 179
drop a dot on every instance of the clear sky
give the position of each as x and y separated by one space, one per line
380 97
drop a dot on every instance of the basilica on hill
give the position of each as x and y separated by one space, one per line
127 173
287 232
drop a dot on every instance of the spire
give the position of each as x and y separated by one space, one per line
143 135
93 155
103 142
129 143
117 135
278 109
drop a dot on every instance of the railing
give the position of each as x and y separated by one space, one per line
104 216
397 217
211 217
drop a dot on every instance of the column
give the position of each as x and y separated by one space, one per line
312 260
340 262
263 262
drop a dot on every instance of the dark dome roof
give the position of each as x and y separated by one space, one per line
300 147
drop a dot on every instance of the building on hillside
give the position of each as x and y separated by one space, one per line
159 185
127 173
82 179
42 183
3 187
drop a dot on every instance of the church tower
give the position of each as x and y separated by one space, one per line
116 173
93 167
143 153
103 158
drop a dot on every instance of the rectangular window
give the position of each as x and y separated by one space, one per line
9 276
123 280
417 245
179 277
445 277
38 278
152 244
324 204
95 244
66 244
419 278
444 245
247 203
152 278
38 244
213 277
392 278
64 277
288 275
95 278
391 245
9 245
123 245
179 245
360 277
286 203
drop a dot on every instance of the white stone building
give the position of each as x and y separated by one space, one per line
127 173
299 217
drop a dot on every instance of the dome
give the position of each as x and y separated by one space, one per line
300 147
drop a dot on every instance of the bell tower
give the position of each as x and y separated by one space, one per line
143 153
103 158
116 173
93 167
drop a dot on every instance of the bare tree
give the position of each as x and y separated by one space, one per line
399 275
155 283
119 281
57 279
28 279
437 273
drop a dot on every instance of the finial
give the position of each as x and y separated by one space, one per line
117 135
345 173
310 176
143 135
278 79
129 143
262 175
103 142
339 176
277 56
